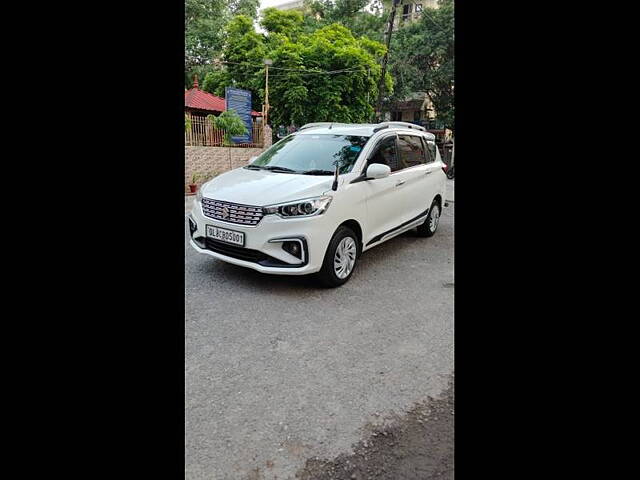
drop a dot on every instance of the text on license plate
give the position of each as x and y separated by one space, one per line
224 235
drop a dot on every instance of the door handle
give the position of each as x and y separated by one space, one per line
401 182
428 172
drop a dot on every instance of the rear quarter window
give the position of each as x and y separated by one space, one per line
430 150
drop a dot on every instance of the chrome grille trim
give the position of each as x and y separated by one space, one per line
248 215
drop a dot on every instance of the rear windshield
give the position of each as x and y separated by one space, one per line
309 152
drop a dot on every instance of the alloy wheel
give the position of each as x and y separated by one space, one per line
434 218
345 257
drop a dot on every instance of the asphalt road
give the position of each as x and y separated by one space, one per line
280 373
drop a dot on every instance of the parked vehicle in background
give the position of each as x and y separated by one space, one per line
451 169
318 198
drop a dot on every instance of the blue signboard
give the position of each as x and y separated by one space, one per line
240 101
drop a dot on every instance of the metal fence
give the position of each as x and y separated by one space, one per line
203 134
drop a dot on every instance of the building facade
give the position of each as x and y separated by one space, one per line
292 5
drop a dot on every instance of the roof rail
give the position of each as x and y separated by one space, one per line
315 125
402 125
335 124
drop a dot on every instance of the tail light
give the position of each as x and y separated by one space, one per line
445 168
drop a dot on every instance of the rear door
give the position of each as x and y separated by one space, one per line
415 186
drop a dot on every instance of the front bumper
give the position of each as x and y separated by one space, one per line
313 233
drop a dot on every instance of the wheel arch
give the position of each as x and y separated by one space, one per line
438 198
357 228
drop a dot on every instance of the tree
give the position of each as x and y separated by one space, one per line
215 81
203 23
320 75
287 22
362 17
301 90
248 8
422 60
345 96
244 52
230 122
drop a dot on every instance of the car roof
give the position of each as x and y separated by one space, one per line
361 129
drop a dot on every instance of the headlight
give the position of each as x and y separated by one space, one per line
307 207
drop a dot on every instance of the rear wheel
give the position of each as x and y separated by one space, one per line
340 259
429 227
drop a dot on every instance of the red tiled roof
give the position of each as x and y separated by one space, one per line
196 98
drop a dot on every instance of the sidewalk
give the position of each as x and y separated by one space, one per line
451 187
188 199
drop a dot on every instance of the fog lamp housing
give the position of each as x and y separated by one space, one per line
192 225
293 248
296 247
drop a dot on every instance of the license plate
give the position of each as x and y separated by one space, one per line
224 235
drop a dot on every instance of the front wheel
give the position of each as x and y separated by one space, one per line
429 227
340 259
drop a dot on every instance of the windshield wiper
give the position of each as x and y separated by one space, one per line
253 167
317 172
274 168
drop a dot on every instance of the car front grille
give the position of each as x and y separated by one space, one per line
232 212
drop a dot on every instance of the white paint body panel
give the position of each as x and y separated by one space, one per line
376 205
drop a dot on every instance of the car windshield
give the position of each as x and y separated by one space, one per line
311 154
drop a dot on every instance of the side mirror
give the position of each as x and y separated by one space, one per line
378 170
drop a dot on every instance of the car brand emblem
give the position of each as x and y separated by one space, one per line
225 212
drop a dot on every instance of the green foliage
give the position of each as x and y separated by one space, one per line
297 93
195 177
422 60
287 22
332 35
203 22
244 51
341 97
187 123
350 13
248 8
215 81
231 123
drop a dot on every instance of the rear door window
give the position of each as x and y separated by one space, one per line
411 151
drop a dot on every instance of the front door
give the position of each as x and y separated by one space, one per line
386 198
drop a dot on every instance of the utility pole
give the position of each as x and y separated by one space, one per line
392 17
267 62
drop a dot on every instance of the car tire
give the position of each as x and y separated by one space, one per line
430 225
340 259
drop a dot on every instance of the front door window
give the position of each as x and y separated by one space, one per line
385 153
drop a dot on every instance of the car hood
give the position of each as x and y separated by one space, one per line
261 187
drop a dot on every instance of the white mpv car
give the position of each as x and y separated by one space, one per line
315 200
